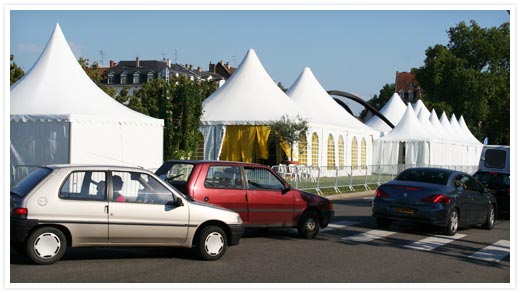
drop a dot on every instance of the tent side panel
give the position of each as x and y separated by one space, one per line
94 142
37 143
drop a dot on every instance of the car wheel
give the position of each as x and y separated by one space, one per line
490 219
309 225
212 243
383 223
453 223
46 245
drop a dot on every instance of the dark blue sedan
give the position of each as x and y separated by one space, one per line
440 197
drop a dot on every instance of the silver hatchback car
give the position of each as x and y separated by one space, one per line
62 206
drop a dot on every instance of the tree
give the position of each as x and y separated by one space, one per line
16 72
470 76
289 131
179 103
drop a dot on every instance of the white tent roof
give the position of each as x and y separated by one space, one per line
409 128
419 106
470 137
424 118
393 111
308 93
249 97
57 88
448 129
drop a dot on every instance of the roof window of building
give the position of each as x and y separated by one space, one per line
123 77
135 79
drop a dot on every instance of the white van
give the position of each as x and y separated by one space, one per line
495 158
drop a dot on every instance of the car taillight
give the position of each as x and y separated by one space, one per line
20 213
381 193
437 198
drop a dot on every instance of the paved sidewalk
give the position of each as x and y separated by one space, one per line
368 193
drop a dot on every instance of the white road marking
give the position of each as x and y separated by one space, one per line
368 236
430 243
495 252
338 225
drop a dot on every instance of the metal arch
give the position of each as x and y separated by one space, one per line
360 101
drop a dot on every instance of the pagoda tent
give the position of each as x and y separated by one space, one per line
235 118
472 148
408 143
393 110
59 115
336 130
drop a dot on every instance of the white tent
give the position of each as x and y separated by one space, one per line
393 110
58 115
251 99
408 143
336 129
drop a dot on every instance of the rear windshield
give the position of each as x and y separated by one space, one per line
428 176
177 172
30 181
495 159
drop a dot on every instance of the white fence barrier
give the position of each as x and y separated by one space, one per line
348 178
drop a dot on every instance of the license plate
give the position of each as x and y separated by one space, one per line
403 210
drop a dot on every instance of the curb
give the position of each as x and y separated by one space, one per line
367 193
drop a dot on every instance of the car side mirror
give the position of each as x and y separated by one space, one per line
286 189
176 202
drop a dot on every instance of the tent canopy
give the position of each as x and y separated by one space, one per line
393 110
249 97
307 92
57 88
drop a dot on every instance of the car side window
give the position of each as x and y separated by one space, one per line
260 178
227 177
84 185
467 183
136 187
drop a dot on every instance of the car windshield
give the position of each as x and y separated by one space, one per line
30 181
177 172
421 175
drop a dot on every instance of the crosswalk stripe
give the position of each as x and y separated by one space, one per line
338 225
430 243
368 236
494 252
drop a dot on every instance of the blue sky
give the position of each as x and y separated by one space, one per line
356 51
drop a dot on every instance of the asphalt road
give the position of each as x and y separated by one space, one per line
352 251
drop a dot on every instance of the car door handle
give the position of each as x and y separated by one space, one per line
206 199
106 209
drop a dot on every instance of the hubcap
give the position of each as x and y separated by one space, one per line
454 221
47 245
310 224
214 243
492 216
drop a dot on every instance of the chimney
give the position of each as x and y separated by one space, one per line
199 69
211 67
137 62
112 64
168 62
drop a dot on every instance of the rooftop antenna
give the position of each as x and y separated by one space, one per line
102 60
175 56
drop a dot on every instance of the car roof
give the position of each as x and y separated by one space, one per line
97 166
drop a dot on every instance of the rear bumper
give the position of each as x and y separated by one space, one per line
20 229
436 215
236 232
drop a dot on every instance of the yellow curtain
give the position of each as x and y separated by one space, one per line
243 143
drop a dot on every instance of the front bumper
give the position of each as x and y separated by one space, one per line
236 232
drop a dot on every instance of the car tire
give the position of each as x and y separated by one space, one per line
309 225
212 243
383 223
490 219
46 245
453 223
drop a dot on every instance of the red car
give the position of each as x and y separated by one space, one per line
257 193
